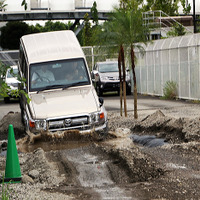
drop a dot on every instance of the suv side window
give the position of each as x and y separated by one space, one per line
23 65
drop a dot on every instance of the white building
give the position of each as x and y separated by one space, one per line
55 5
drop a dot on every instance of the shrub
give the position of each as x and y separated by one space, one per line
170 90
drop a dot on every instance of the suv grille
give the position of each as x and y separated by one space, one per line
80 123
113 78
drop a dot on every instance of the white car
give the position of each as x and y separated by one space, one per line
12 82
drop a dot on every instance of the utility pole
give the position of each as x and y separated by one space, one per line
194 17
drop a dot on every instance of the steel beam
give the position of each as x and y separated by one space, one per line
48 15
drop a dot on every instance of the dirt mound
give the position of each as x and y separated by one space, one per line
172 129
15 120
132 158
191 130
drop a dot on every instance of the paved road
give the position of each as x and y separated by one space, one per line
146 105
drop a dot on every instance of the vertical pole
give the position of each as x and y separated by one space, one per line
92 51
194 17
140 72
154 68
146 70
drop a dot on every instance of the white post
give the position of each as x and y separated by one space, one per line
92 51
179 68
189 67
161 70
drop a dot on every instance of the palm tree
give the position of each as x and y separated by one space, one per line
131 23
125 30
112 39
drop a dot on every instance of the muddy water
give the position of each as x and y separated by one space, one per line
94 173
48 146
54 141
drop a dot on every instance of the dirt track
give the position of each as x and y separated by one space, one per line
118 168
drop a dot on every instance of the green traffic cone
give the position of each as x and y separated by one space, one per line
13 172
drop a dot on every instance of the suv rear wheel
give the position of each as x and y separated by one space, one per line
6 99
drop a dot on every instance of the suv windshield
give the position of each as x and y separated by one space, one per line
58 74
108 67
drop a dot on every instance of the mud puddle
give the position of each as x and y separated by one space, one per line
54 141
47 146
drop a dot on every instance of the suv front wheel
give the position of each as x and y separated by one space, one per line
99 91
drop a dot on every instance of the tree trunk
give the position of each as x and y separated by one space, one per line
134 81
124 80
120 78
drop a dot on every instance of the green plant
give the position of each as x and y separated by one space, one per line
6 191
177 30
170 90
186 7
196 101
94 13
24 3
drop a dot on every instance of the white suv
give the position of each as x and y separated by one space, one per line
59 85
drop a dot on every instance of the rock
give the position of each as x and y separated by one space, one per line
34 174
22 161
27 179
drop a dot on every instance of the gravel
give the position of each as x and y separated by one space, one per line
171 167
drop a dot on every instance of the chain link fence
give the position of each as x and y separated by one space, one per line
97 54
173 59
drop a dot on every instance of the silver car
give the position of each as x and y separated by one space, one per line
105 77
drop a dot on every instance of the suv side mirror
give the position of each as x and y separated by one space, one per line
96 76
101 101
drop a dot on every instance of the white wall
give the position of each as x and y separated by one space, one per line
62 5
15 5
106 4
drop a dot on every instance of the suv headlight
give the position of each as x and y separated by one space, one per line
97 118
40 124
